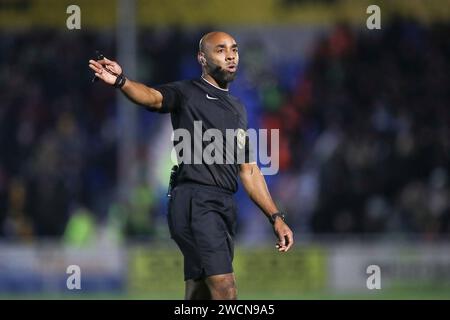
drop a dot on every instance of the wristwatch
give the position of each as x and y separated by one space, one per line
120 81
276 215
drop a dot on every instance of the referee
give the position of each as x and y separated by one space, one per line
202 211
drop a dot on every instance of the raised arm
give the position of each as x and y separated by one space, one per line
108 71
255 186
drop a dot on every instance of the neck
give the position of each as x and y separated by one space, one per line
214 82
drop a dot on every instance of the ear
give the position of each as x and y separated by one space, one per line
201 58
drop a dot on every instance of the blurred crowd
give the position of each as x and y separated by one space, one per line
368 133
57 138
364 132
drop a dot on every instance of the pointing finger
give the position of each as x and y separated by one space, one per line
95 63
94 68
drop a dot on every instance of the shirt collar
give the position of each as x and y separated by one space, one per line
219 88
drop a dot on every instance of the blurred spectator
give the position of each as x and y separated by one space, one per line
81 229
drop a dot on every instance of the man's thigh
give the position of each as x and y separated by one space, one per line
212 227
202 224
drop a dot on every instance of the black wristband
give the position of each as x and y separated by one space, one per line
120 81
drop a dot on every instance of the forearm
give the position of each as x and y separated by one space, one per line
142 95
256 187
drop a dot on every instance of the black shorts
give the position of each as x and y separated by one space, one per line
202 221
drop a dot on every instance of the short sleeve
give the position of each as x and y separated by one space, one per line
172 97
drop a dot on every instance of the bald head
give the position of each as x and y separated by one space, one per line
211 39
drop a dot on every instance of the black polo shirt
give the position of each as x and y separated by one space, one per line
198 100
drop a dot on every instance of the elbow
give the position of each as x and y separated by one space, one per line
152 104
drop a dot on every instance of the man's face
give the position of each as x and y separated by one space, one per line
222 58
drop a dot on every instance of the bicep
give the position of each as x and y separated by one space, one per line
156 101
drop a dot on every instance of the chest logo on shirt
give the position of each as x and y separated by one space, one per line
240 135
211 98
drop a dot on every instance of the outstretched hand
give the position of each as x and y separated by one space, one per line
284 235
106 70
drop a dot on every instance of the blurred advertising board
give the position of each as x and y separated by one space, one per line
152 271
413 266
257 271
47 268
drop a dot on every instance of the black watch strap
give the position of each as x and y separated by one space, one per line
120 81
276 215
